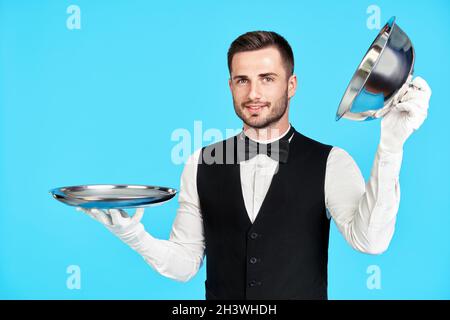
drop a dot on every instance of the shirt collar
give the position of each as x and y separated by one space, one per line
242 135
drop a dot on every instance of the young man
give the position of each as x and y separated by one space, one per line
263 218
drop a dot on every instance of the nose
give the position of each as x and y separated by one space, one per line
254 93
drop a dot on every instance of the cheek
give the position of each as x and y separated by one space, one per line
240 93
275 92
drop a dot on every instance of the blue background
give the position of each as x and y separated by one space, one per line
99 105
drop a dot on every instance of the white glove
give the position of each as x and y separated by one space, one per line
405 113
118 221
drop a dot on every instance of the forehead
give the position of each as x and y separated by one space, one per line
257 61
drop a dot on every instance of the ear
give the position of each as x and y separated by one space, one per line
230 84
292 85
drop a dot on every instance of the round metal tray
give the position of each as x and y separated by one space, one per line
113 196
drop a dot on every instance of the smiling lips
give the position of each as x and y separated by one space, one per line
255 107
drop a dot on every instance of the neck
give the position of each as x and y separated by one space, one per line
267 134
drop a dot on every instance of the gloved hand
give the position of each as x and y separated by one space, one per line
118 221
405 113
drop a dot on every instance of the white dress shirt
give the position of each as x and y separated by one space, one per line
365 213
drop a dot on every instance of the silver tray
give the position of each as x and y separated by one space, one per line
113 196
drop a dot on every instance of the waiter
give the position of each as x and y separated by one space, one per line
259 204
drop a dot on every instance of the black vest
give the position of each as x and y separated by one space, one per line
284 253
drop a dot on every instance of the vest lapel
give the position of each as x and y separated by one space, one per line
275 197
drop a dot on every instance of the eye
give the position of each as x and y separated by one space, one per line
268 79
241 81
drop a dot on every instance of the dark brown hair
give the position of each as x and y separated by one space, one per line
256 40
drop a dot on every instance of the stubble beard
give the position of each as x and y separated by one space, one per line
277 111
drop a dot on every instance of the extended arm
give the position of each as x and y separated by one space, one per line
179 257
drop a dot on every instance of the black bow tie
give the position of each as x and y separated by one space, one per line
277 150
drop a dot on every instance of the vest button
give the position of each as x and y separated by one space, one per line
253 235
254 283
253 260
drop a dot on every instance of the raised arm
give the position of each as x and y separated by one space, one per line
365 213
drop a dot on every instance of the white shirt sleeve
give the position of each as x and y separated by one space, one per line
181 256
365 213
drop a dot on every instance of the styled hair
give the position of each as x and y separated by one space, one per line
256 40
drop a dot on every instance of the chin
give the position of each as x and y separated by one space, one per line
256 123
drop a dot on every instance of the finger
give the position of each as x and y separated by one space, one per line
101 216
115 216
416 114
123 213
421 84
407 107
138 215
409 79
399 96
414 107
96 215
422 98
87 212
383 111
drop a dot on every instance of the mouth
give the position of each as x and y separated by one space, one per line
255 107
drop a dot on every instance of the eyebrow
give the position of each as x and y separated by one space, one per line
261 75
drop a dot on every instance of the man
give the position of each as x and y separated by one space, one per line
263 218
